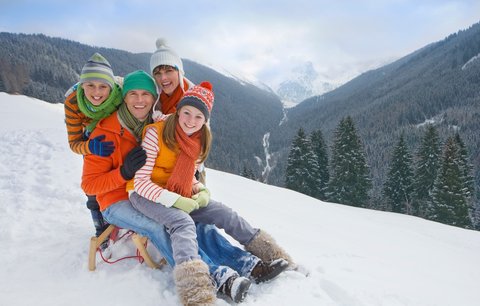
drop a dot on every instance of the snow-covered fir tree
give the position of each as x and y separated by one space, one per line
398 188
349 181
450 205
320 148
465 167
428 159
248 173
302 166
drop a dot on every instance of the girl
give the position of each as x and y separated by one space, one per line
174 147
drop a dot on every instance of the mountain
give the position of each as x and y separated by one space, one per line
355 256
304 83
439 83
44 67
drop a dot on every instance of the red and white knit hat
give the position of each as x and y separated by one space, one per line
199 96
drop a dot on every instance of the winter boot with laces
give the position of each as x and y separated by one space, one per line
263 271
235 287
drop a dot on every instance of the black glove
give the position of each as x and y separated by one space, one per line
134 160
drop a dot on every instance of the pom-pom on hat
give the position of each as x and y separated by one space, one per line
139 80
199 96
97 69
164 55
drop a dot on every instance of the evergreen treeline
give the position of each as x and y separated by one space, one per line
434 186
438 84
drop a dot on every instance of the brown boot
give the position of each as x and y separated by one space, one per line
236 288
266 248
263 272
194 285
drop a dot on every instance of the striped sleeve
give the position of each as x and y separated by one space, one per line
75 121
143 183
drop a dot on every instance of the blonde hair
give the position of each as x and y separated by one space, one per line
168 136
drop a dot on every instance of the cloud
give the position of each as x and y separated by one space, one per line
261 40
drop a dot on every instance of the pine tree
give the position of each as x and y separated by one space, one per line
465 167
398 188
449 202
248 173
320 149
302 166
428 159
349 181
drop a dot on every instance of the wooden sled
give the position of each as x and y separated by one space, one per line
138 240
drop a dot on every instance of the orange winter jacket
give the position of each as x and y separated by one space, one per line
101 175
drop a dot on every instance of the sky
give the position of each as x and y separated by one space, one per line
355 256
257 40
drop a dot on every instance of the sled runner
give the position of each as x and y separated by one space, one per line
138 240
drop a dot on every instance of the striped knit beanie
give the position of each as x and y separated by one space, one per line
97 69
139 80
199 96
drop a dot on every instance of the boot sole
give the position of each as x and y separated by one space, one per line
242 291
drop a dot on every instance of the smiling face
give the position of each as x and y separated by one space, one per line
139 102
191 119
167 78
96 92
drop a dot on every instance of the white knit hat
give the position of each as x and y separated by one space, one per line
165 56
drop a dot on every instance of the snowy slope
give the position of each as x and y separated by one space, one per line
356 257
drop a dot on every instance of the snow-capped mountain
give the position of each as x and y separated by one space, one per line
304 82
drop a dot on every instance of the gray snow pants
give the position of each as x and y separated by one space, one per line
181 225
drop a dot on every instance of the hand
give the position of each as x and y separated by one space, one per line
202 198
99 147
186 204
134 160
197 187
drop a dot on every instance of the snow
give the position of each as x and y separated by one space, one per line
356 257
471 61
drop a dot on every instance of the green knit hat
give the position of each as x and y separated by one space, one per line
139 80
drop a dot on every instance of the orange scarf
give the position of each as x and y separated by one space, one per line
182 174
169 103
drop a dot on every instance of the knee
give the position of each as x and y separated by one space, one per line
181 221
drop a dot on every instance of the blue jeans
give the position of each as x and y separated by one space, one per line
222 252
214 249
97 218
